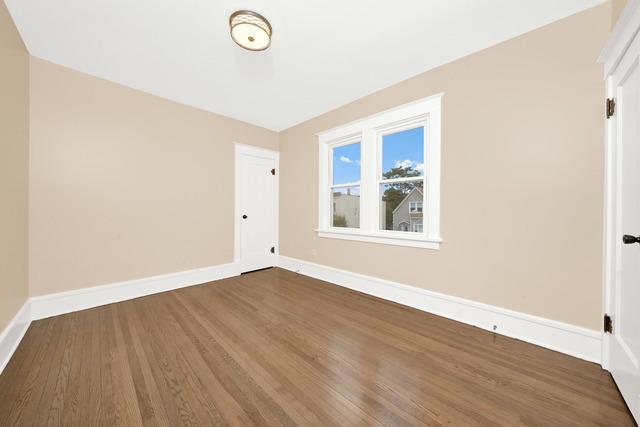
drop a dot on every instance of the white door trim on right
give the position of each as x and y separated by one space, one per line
619 57
251 150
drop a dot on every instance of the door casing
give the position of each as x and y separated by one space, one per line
620 57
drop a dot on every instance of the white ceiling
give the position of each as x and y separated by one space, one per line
324 53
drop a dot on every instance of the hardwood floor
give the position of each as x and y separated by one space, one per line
276 348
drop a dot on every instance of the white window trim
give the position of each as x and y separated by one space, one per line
368 131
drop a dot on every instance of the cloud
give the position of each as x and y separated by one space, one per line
406 164
346 159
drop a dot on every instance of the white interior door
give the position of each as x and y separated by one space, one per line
257 207
624 294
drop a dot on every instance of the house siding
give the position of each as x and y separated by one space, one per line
402 215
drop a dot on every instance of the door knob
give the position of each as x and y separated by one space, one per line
627 239
244 217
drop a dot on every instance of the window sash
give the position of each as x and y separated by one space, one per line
380 184
400 180
389 129
347 185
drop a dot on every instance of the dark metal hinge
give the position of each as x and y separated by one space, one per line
273 249
608 324
273 171
611 107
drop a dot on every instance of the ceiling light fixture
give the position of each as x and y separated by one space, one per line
250 30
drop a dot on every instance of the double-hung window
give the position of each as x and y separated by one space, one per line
380 177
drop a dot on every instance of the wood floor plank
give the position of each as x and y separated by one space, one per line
276 348
22 362
52 404
32 386
149 393
107 388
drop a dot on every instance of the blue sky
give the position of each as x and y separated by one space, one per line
403 149
398 149
346 164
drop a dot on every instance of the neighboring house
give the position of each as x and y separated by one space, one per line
348 206
407 216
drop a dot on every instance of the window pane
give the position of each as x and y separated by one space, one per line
345 207
403 154
396 206
346 164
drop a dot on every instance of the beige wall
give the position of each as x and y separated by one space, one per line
616 9
125 184
522 167
14 168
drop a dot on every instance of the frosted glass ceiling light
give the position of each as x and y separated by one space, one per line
250 30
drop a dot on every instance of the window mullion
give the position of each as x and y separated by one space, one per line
368 181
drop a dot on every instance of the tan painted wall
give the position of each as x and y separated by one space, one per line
616 9
14 168
125 184
522 169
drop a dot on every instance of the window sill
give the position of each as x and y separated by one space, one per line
391 238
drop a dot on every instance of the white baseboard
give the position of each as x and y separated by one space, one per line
13 333
569 339
81 299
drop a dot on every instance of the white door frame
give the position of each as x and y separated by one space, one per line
619 41
251 150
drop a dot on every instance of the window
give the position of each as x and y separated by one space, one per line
415 207
380 177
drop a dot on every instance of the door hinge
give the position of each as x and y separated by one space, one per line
273 249
273 171
608 324
611 107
